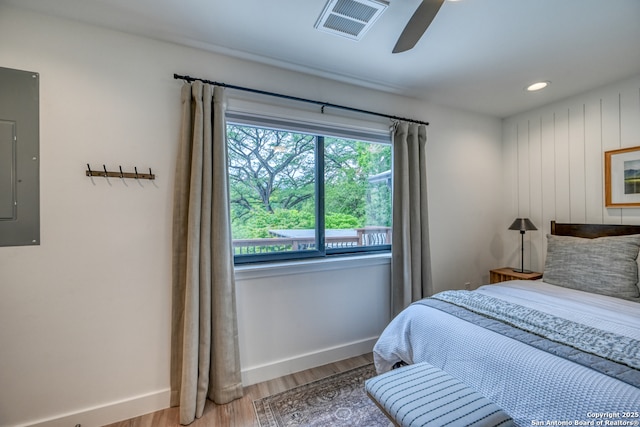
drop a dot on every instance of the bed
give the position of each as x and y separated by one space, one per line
564 350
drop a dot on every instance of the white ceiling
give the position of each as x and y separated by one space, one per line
477 54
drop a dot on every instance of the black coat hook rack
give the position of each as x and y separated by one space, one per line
120 174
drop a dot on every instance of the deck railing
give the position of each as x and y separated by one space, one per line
366 236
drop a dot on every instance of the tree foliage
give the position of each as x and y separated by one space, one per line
263 161
272 181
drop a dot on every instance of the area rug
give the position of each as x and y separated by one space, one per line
338 400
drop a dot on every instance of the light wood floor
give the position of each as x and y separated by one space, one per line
240 413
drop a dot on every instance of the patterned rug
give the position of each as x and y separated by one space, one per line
338 400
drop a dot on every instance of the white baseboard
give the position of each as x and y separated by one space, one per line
109 413
269 371
144 404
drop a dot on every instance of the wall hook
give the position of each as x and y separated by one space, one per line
121 174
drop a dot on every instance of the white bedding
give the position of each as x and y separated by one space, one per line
528 383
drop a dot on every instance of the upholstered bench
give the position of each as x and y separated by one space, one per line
423 395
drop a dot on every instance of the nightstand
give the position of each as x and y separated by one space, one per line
503 274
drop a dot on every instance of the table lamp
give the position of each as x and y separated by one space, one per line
522 224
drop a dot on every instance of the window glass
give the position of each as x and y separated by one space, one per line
357 193
272 180
298 194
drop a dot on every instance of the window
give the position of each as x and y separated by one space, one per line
300 190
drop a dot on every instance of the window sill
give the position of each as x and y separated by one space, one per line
257 271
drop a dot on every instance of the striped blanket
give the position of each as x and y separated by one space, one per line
615 355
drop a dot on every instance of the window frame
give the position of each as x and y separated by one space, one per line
319 131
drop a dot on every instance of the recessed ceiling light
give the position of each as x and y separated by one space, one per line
537 86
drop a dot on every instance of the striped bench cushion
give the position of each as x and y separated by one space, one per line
423 395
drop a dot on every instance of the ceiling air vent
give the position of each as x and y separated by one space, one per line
350 18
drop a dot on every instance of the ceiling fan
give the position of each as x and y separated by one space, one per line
417 25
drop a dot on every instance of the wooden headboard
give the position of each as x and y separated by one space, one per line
593 230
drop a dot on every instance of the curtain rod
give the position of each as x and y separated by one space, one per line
295 98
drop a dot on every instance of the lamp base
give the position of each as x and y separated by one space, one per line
517 270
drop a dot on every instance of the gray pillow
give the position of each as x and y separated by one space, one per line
605 265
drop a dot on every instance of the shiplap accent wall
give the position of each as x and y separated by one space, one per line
553 161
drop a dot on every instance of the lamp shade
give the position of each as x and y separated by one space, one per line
522 224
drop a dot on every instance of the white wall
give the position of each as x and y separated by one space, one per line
293 317
465 198
84 317
554 164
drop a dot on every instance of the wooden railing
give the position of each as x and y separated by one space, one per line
367 236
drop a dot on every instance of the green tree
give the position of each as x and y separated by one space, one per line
260 222
348 166
269 167
272 181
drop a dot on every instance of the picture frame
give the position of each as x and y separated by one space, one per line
622 177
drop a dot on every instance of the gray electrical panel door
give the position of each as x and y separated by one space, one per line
19 158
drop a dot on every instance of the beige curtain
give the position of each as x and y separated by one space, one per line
411 258
205 360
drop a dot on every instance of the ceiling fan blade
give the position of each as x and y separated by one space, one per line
417 25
